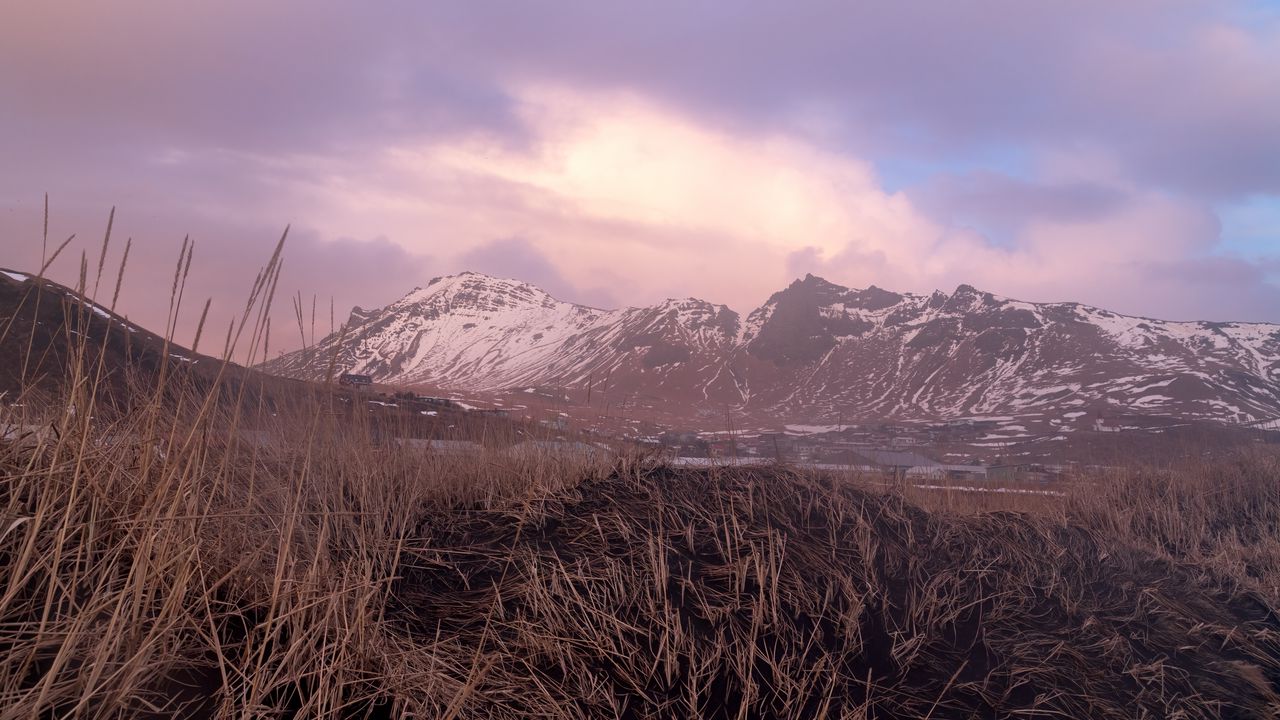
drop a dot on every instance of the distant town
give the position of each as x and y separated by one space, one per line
995 450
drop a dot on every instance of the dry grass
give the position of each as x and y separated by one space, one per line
156 564
334 578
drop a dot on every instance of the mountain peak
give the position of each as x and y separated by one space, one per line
472 278
816 281
479 290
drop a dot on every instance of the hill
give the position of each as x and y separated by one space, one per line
49 333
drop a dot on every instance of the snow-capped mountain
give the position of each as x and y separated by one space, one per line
814 350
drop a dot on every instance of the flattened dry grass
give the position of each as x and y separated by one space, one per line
765 593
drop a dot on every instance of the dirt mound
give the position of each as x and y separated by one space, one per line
763 593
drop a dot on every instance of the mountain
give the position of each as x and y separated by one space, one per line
814 352
47 329
45 326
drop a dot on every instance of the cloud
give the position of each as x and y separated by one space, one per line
242 76
1002 206
1186 96
1147 255
1182 95
628 153
624 193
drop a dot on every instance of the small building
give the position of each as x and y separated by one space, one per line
777 445
435 401
678 438
899 463
354 380
839 457
964 472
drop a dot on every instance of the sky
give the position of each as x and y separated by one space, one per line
1125 155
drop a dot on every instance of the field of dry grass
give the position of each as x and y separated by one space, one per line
155 568
157 564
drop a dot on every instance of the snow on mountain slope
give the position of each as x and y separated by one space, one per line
972 353
478 332
814 350
467 329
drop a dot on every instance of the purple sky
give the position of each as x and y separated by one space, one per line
1121 154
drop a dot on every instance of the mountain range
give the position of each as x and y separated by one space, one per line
814 352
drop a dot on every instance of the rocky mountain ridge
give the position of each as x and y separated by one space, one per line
814 351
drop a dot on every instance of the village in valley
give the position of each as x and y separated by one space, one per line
975 452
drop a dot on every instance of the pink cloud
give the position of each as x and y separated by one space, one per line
658 149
